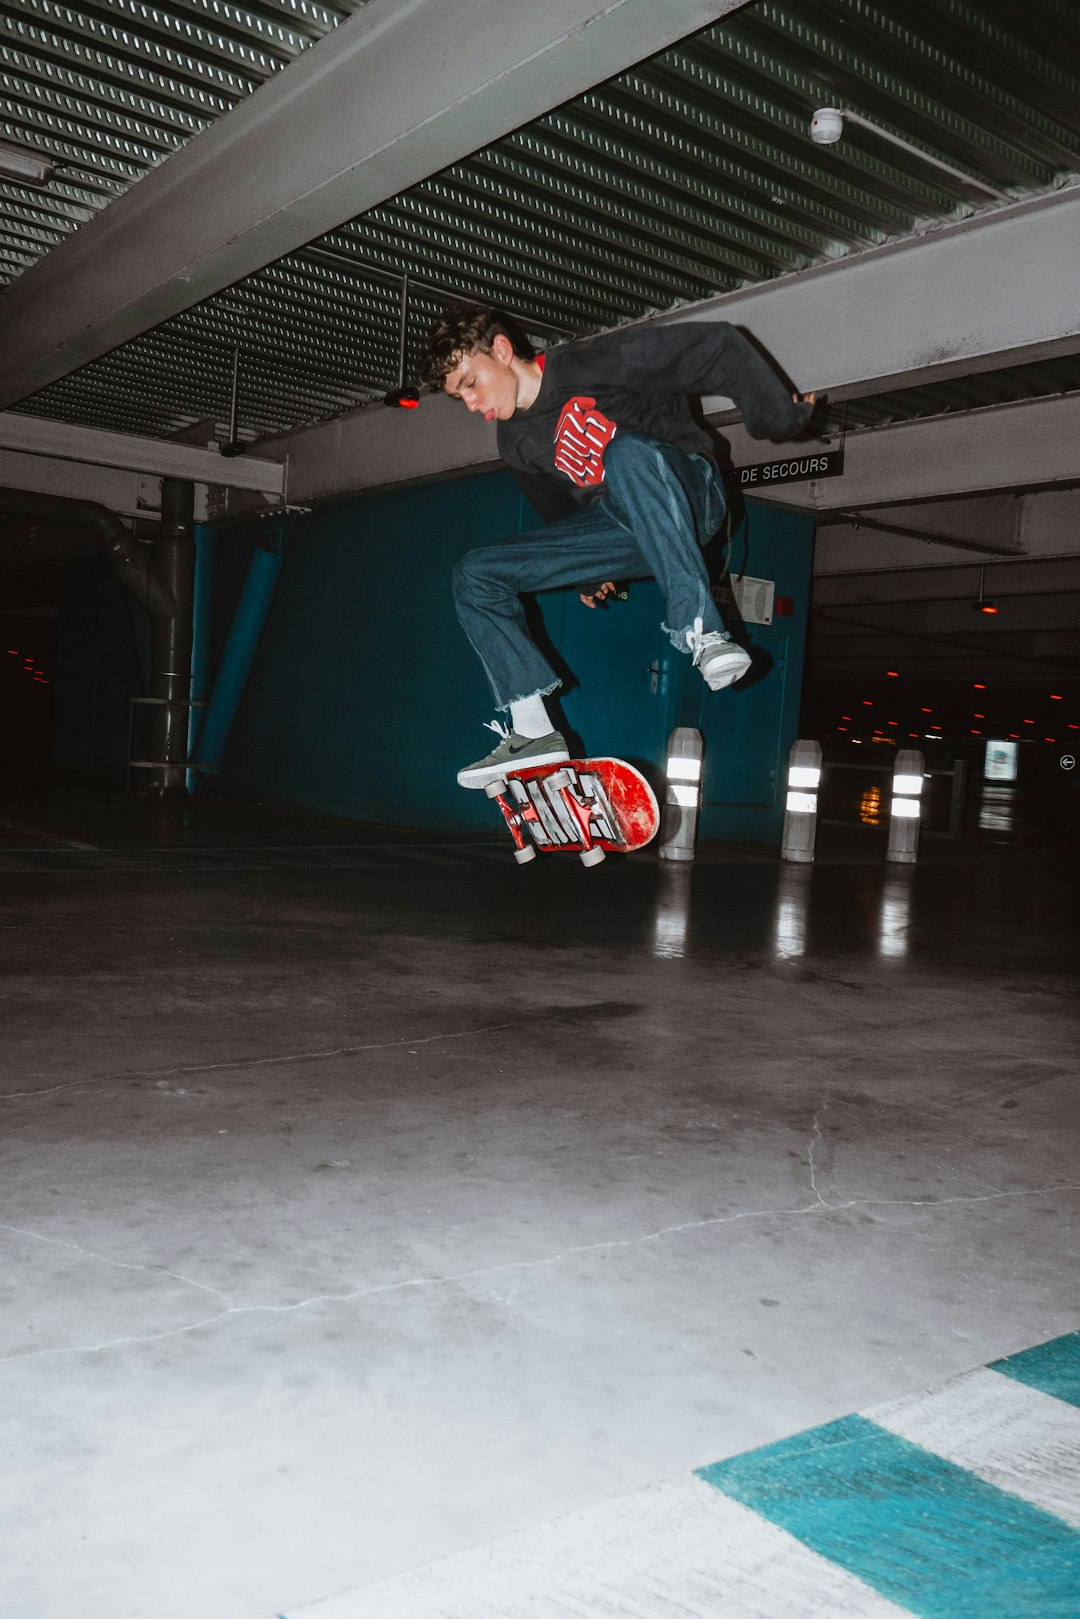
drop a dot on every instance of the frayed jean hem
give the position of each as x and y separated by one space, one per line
545 691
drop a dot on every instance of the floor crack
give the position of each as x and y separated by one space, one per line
119 1264
457 1277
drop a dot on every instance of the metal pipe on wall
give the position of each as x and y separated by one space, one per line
236 660
130 562
170 659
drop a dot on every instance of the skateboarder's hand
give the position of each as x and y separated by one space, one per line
600 594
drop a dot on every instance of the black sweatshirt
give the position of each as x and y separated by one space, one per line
637 379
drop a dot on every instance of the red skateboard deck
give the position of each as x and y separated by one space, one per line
580 806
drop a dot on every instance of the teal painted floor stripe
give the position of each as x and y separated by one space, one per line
930 1536
1052 1368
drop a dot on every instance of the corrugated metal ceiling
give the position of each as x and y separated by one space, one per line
683 178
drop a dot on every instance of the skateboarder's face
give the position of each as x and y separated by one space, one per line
486 383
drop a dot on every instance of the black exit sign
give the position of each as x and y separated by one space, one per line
793 469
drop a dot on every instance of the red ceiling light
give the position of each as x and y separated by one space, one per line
1056 697
978 716
866 703
893 674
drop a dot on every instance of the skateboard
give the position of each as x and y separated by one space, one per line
579 806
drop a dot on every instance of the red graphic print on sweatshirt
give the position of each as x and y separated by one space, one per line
581 437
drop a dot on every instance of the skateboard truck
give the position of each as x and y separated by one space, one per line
560 782
516 816
524 851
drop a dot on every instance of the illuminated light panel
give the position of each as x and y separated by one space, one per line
1029 722
841 727
1056 697
926 711
802 803
866 703
682 794
803 776
682 769
905 809
976 733
845 716
907 784
977 685
978 716
1049 739
893 674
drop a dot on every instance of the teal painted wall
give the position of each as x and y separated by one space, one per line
365 698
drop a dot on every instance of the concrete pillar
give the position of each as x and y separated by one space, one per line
801 804
906 808
682 800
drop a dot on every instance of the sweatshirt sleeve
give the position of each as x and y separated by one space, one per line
695 357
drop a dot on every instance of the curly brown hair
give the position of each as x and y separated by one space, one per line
467 329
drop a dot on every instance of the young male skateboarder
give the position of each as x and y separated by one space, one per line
599 435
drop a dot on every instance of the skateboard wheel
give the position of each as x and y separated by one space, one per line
523 856
592 857
494 788
560 779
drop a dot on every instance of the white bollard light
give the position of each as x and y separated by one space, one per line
801 807
906 807
682 800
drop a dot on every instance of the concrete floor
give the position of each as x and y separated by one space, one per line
366 1197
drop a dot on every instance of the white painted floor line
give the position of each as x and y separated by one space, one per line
1008 1434
679 1551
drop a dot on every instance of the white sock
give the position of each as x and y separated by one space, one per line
529 717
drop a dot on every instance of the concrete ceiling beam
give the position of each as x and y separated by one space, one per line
63 442
997 290
400 90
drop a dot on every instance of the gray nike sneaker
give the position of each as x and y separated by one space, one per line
514 752
721 660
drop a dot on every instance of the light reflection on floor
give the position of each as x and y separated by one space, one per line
672 910
792 897
894 917
997 808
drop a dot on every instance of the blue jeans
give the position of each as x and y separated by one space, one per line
658 508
